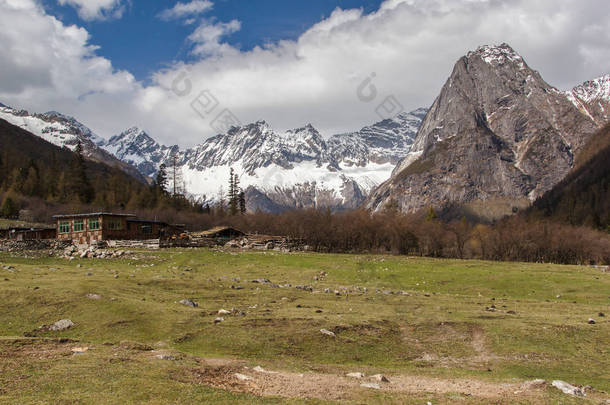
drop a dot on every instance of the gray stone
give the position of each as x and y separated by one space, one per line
61 325
189 303
355 375
327 333
568 388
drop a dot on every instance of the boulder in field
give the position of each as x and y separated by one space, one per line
189 303
568 388
62 324
327 333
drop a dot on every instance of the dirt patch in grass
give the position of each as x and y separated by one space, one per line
326 386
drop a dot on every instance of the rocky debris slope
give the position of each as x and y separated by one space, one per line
496 132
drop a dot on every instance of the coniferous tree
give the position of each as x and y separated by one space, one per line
242 202
9 208
161 180
233 193
81 187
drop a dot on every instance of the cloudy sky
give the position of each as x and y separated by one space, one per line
178 69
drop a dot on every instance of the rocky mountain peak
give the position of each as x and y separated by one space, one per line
498 55
593 99
596 89
497 131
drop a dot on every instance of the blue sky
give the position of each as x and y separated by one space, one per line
142 43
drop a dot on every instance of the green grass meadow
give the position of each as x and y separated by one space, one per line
535 324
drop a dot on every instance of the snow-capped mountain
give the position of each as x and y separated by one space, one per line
280 170
64 131
386 141
593 99
136 147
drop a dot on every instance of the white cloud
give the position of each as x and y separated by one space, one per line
96 9
182 10
411 46
207 38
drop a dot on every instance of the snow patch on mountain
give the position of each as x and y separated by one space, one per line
593 90
498 54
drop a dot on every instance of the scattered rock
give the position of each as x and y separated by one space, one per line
259 369
601 314
242 377
94 296
61 325
219 319
568 388
79 350
355 375
591 321
224 312
189 303
327 333
165 357
380 378
261 281
371 385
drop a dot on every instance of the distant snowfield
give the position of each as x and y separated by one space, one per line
53 132
208 183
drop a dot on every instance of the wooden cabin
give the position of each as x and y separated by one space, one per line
99 226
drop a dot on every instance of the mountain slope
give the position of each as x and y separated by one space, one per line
496 132
583 197
65 131
33 167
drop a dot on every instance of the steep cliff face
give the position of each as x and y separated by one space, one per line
496 132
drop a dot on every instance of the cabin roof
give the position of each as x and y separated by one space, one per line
93 214
215 230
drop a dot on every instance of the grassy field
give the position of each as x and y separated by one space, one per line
460 331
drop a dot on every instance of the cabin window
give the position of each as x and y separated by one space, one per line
79 225
115 224
147 229
94 224
64 227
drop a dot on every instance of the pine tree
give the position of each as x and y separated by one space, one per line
233 193
161 180
242 203
175 175
81 187
9 208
